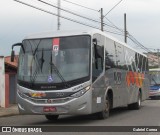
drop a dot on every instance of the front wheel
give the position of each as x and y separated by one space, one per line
51 117
105 113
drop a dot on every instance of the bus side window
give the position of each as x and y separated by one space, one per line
110 60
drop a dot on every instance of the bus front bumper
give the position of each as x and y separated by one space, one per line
73 106
154 93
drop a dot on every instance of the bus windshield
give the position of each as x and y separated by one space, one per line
54 60
155 77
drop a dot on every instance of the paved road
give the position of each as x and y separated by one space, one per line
148 115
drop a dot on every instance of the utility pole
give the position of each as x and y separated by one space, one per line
158 57
125 29
58 12
102 19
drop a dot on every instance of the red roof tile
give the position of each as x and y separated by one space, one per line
8 61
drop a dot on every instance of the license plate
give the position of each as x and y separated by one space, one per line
49 109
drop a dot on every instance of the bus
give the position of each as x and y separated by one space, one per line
79 73
155 83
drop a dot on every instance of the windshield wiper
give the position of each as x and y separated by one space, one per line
53 66
42 59
40 66
34 76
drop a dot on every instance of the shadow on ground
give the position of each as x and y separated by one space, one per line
81 120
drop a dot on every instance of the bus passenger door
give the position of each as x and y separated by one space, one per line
98 73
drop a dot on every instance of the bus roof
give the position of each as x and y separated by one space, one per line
50 34
59 33
154 69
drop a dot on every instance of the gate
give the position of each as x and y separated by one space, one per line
12 88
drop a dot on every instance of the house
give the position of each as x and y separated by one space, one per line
8 75
154 59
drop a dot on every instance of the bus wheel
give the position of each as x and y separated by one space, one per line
137 105
105 113
153 98
51 117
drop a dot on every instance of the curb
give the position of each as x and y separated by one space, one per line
7 115
10 111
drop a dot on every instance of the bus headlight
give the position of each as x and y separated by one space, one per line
20 93
81 92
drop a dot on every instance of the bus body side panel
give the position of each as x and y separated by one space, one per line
127 73
116 87
98 92
120 82
114 67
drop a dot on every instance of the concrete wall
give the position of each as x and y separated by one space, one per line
2 82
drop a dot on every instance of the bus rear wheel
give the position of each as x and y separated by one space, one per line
105 113
51 117
137 105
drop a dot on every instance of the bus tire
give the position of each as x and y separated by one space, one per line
154 98
137 105
51 117
105 113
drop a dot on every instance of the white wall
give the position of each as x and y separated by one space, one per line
2 82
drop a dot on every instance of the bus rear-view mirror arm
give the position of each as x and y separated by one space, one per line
13 53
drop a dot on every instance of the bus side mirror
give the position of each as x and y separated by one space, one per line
12 56
107 67
95 41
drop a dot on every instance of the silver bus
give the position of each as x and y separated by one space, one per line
79 73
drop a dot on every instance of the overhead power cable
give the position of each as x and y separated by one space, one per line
81 5
121 30
138 43
75 13
114 32
113 8
70 19
141 46
69 11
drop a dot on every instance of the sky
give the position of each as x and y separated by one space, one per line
18 20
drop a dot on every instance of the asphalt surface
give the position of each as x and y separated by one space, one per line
148 115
